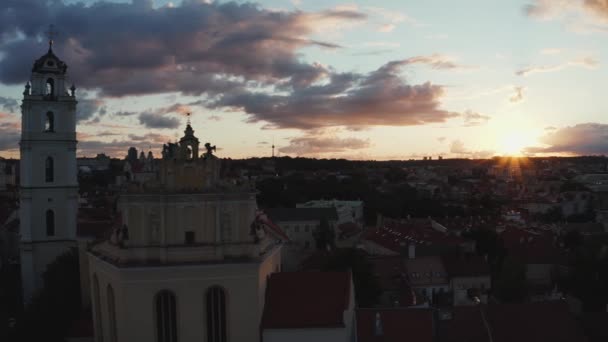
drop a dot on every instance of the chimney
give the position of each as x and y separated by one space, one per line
411 251
378 325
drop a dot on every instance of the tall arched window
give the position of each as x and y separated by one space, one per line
216 314
111 313
49 125
49 169
50 87
166 320
97 304
50 223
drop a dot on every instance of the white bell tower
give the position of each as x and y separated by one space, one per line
48 186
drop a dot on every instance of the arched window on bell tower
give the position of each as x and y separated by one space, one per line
49 170
49 125
50 87
216 314
166 317
50 223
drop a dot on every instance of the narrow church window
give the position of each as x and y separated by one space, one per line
216 314
50 223
166 320
111 313
50 86
189 238
98 328
49 174
49 125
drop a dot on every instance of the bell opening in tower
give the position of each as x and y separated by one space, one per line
50 122
50 87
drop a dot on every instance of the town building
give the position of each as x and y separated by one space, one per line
347 211
300 223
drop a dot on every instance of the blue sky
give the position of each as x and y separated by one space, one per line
358 80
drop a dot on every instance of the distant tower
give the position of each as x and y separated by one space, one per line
49 187
273 148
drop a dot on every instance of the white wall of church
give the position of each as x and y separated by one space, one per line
136 287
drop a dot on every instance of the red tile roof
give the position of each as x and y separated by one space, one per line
395 234
306 300
397 325
268 224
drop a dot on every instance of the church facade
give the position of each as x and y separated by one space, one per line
191 259
48 178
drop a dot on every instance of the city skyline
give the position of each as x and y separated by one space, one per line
362 80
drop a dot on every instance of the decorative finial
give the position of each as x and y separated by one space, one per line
188 115
51 33
73 89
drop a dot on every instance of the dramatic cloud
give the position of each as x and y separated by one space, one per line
8 104
518 95
474 119
587 138
88 107
436 61
586 62
547 9
124 113
380 97
599 7
316 145
458 149
154 120
119 148
193 48
585 16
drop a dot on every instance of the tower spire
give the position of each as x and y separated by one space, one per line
188 122
51 33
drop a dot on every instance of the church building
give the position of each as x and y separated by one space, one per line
48 179
189 260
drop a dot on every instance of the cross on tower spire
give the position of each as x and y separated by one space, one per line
51 33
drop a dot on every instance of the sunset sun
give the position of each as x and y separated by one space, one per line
514 143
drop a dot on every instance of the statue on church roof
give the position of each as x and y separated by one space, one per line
210 150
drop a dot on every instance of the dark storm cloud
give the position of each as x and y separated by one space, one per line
88 107
155 120
235 56
194 47
380 97
586 138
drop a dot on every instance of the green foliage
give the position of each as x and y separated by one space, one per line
52 310
552 215
588 279
367 289
510 285
324 236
